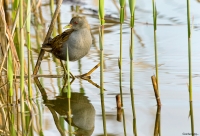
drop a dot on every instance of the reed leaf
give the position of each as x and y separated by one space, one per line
122 4
132 10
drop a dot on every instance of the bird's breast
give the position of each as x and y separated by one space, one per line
79 44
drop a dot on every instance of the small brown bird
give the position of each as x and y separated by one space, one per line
77 38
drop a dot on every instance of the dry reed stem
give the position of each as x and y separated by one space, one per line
53 21
118 101
119 107
155 86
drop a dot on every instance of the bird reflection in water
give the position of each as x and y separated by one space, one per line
83 112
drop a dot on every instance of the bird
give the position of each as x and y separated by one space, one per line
77 39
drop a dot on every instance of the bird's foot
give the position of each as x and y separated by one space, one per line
84 76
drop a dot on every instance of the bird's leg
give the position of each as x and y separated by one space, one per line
95 84
87 75
66 83
65 71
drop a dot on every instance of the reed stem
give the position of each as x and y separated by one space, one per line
131 83
132 11
69 94
101 44
192 118
28 27
190 68
22 67
10 73
189 50
155 42
122 4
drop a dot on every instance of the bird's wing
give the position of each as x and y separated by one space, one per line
57 41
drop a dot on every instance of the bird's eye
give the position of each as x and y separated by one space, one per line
75 22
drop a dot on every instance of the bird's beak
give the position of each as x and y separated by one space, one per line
68 26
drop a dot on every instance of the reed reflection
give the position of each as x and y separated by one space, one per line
157 131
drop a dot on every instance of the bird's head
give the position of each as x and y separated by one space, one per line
77 23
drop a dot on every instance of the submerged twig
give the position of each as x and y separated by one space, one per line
45 76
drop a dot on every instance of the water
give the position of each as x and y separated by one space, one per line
173 69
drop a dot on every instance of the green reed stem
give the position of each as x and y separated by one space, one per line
12 130
69 94
131 83
101 45
190 67
120 66
28 27
132 11
122 4
101 40
10 80
189 50
192 118
22 66
101 12
155 42
10 73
